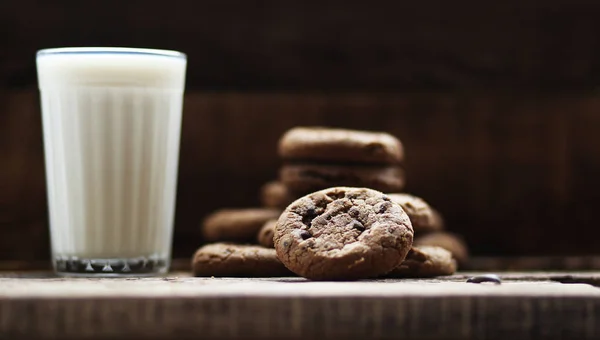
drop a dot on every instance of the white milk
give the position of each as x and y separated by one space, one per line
112 122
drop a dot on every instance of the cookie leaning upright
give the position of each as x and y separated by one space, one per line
425 261
452 242
343 233
423 217
266 233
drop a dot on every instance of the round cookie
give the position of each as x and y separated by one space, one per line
438 220
265 235
425 262
454 243
275 194
423 217
307 178
235 260
340 145
343 233
236 225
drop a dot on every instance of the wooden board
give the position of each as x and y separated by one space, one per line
532 306
475 263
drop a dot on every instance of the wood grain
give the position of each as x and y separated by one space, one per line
564 264
292 308
513 174
330 45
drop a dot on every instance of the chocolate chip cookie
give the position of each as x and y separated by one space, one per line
424 262
340 145
308 178
423 217
438 220
234 260
236 225
343 233
454 243
275 194
265 235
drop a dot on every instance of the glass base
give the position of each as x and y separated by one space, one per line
127 267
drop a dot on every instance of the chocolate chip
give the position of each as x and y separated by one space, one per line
375 148
308 216
493 278
383 208
358 226
336 195
354 212
305 235
307 220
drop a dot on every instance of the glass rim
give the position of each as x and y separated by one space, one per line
111 51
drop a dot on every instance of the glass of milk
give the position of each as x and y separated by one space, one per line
112 123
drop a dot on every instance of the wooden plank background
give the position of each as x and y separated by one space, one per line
329 45
497 105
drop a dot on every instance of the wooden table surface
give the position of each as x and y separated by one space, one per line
528 305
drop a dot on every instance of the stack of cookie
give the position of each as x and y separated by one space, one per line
316 158
319 158
243 242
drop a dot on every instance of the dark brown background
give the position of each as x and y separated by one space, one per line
496 103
